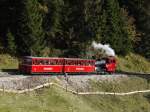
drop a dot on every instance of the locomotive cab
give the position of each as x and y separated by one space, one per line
107 65
100 65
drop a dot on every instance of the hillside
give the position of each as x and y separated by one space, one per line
133 63
53 99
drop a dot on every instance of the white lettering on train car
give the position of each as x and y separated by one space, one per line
79 68
48 68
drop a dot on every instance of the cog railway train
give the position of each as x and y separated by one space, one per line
51 65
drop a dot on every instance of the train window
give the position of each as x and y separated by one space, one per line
34 62
37 62
66 62
59 62
41 62
86 63
56 62
74 62
93 63
79 62
27 61
46 62
71 62
82 62
52 62
100 62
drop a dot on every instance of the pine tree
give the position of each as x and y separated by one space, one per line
140 10
53 27
67 26
116 33
30 34
94 19
77 29
11 46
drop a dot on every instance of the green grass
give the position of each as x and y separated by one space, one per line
133 63
125 85
136 103
50 100
133 103
8 62
54 99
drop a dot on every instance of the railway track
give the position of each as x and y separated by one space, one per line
12 74
131 73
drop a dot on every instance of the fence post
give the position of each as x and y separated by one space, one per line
28 87
49 83
66 88
3 88
66 77
77 91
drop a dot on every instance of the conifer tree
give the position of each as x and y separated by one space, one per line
140 10
11 47
30 34
94 18
116 33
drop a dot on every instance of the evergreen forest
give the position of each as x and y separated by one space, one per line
68 27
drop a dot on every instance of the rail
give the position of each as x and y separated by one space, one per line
132 73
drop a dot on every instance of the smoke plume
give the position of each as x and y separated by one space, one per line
108 50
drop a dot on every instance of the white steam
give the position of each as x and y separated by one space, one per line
108 50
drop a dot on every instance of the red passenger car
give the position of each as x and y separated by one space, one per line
33 65
76 65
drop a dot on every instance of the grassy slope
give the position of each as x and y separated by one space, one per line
50 100
133 63
8 62
57 100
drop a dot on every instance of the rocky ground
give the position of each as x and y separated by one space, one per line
11 81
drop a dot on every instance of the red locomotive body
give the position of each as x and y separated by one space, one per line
107 64
110 64
74 65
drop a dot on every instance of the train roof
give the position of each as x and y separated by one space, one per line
32 57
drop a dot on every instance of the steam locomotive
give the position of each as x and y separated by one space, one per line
52 65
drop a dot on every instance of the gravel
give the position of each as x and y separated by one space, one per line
11 81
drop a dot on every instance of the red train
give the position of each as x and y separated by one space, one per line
40 65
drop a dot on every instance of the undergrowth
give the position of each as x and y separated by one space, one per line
8 62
